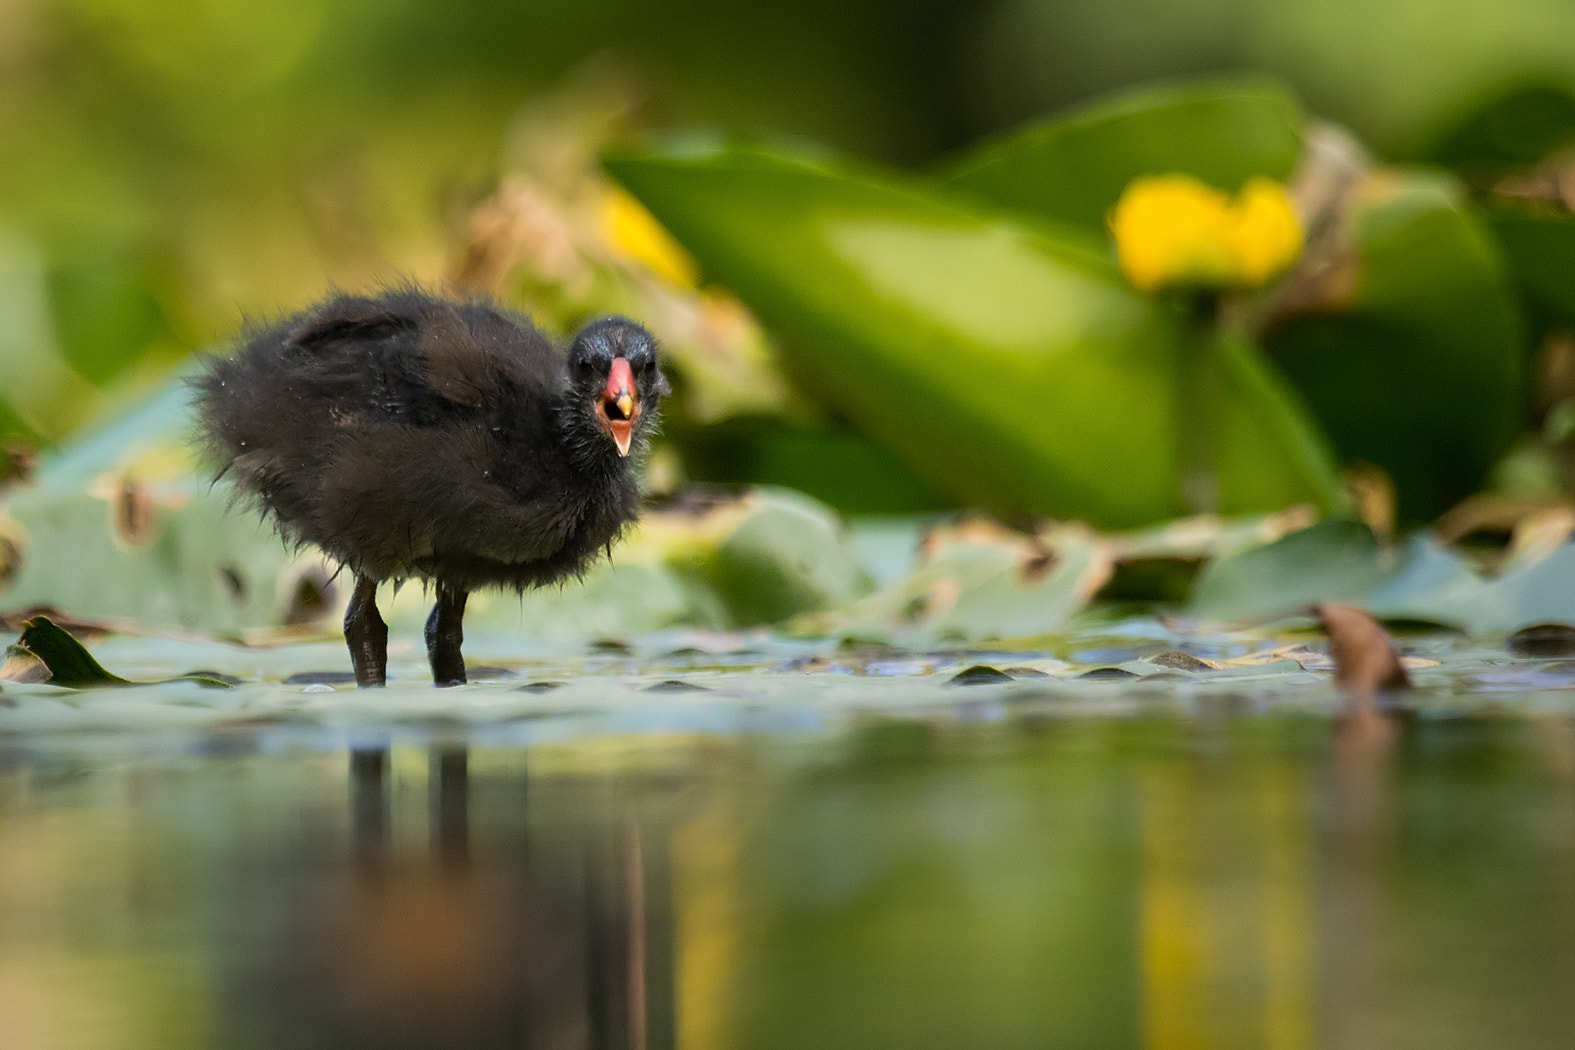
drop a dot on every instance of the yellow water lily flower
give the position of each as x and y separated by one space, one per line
1174 231
1264 231
634 235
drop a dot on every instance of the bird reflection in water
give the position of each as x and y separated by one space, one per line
517 946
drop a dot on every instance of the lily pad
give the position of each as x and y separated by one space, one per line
68 662
1332 561
770 555
1416 580
977 582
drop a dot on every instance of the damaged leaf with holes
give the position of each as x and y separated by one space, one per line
975 582
117 526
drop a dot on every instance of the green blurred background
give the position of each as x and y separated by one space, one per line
173 163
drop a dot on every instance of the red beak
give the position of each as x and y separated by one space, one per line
619 406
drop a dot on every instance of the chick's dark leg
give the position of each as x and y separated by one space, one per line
445 635
366 634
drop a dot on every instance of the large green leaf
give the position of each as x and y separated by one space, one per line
1540 250
837 465
1263 425
1421 370
1073 167
1008 364
1510 130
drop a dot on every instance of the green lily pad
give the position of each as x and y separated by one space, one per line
1416 580
975 583
1073 167
69 663
173 556
772 554
1341 561
1006 363
1336 561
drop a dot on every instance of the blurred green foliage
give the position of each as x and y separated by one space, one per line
1072 167
1422 370
1009 364
940 324
115 530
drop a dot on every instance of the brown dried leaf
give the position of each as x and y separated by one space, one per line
1374 494
132 513
1489 512
23 666
1365 658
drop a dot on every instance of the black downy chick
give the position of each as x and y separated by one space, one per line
411 436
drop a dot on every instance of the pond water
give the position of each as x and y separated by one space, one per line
767 863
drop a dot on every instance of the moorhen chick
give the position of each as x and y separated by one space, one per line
412 436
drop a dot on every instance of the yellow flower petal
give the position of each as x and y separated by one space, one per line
1174 231
1265 231
1169 231
634 236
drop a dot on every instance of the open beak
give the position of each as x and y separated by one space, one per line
619 406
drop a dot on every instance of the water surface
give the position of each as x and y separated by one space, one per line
978 868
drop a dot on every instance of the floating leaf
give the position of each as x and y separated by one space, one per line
770 555
69 663
977 581
66 662
979 674
1543 641
1331 561
1416 580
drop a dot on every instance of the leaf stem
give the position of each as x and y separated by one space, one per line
1198 407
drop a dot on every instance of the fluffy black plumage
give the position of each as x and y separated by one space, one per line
411 436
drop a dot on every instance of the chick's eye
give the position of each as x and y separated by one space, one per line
582 365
